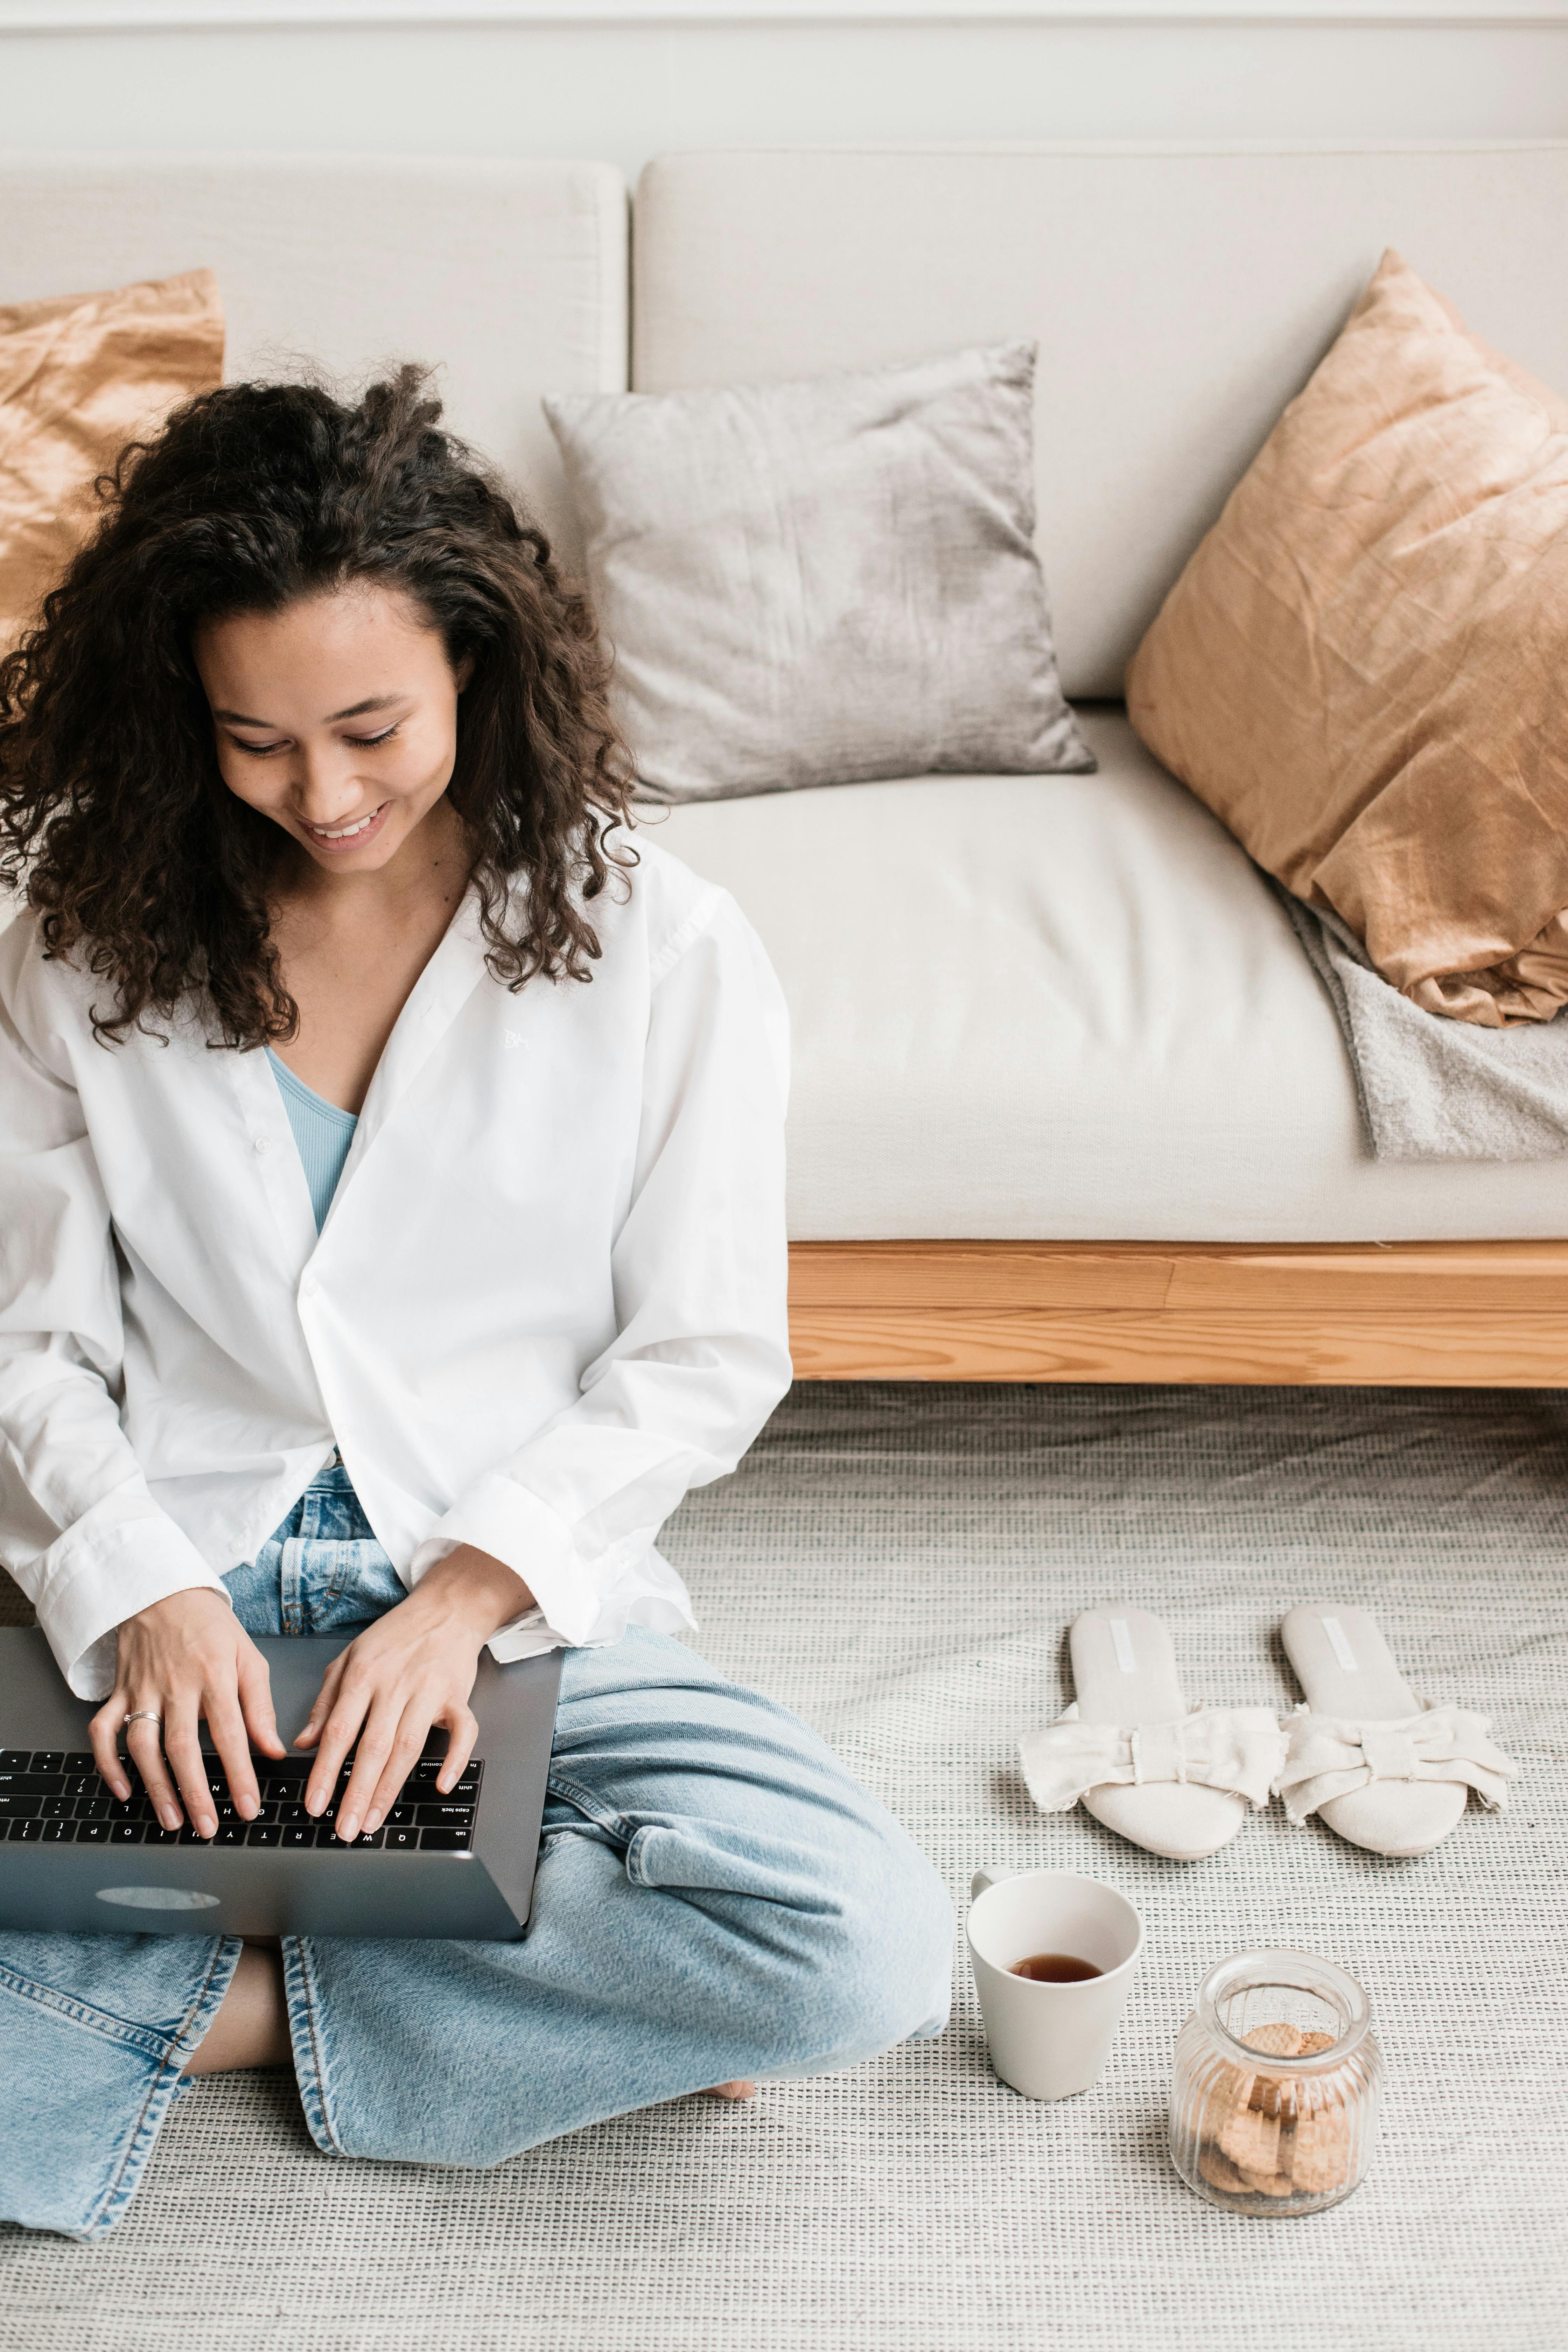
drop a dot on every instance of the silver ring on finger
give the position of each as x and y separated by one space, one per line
143 1715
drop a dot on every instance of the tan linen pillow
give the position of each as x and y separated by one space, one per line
80 377
1363 670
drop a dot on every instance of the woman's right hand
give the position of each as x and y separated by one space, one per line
185 1657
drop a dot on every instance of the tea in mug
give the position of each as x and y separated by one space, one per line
1054 1967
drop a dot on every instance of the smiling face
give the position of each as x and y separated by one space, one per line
337 717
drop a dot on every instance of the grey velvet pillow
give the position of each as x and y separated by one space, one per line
817 583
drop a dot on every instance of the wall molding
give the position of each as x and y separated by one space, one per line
36 17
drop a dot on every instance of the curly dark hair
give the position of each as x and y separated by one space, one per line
114 816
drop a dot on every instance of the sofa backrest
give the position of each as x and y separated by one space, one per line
512 275
1179 299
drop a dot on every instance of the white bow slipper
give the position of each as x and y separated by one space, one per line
1384 1769
1174 1779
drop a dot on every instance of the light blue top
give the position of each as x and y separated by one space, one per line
323 1132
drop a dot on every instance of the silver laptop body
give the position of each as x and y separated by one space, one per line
72 1861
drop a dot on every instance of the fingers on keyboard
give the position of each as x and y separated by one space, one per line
53 1795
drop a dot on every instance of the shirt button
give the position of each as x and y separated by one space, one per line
264 1143
308 1287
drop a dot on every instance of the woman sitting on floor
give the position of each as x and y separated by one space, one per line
310 779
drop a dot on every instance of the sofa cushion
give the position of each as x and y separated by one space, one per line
511 275
814 583
1361 669
1179 299
1063 1007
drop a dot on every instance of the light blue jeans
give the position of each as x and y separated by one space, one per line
716 1898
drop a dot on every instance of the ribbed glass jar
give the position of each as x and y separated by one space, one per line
1275 2094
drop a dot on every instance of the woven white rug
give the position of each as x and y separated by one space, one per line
899 1564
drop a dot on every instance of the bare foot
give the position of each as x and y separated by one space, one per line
730 2091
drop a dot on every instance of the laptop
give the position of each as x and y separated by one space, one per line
75 1860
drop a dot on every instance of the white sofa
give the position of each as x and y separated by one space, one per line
1042 1013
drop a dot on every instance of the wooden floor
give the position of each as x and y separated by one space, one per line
1434 1314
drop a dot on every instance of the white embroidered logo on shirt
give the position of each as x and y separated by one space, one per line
510 1037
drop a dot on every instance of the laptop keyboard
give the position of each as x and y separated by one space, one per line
49 1796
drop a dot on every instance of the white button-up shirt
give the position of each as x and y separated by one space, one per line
548 1298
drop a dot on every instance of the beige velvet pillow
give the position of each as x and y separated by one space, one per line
78 379
1363 670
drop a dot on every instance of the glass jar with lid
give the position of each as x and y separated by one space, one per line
1274 2092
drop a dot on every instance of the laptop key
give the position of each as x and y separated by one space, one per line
84 1784
32 1784
401 1838
93 1832
127 1832
430 1767
48 1759
367 1839
263 1833
25 1832
81 1760
92 1809
15 1759
444 1817
20 1809
57 1832
56 1809
297 1834
156 1835
231 1812
229 1833
446 1841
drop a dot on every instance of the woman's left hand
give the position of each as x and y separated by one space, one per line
410 1672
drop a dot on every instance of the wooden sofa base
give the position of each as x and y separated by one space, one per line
1428 1314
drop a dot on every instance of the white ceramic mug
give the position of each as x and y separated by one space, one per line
1050 2040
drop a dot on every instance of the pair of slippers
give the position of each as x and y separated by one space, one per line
1384 1769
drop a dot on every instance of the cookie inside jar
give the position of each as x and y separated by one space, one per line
1271 2133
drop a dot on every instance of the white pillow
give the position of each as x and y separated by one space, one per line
820 581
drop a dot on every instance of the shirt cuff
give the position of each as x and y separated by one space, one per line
527 1636
106 1576
515 1527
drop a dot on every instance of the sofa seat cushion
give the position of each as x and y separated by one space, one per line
1064 1007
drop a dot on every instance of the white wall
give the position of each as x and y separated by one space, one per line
625 91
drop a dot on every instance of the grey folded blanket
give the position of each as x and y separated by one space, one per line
1437 1090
